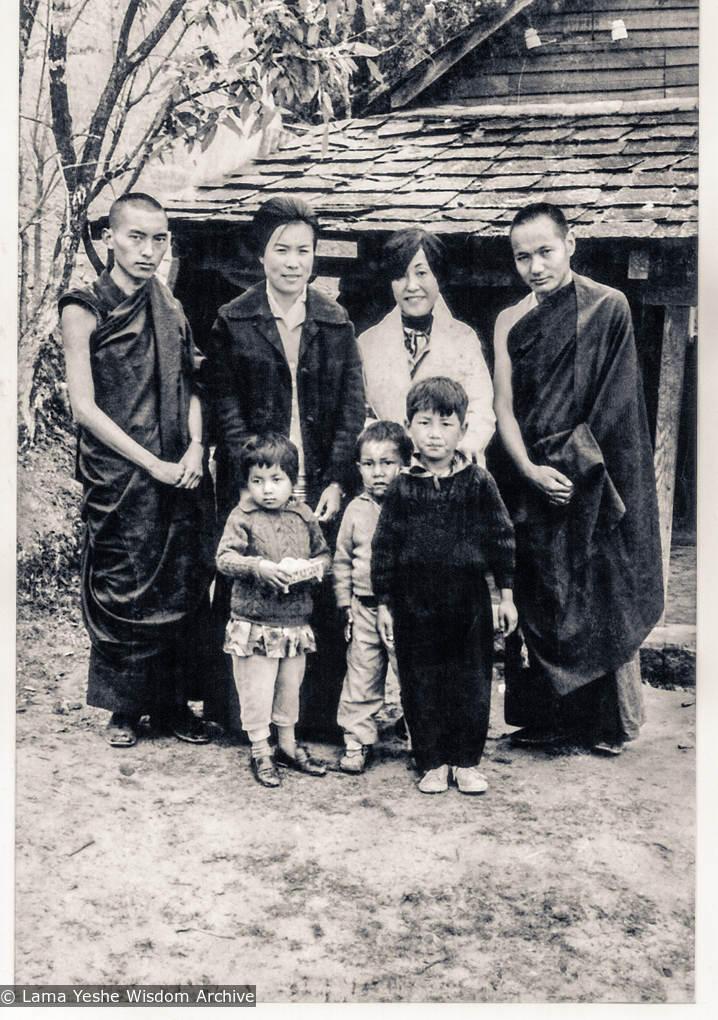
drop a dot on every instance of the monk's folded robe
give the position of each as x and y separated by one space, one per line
596 508
147 553
589 584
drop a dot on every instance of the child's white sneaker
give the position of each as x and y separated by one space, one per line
469 780
435 780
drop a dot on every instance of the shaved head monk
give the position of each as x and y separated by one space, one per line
147 551
581 491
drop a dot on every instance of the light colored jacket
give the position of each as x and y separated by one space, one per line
352 559
454 351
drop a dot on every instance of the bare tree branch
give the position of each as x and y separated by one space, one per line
124 37
78 15
159 68
157 33
38 101
121 69
120 112
97 189
36 120
28 13
39 207
59 103
142 151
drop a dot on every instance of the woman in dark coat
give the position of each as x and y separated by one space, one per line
282 358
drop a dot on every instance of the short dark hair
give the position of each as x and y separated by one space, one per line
438 394
536 209
268 450
132 198
386 432
403 245
279 211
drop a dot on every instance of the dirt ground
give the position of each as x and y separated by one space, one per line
570 880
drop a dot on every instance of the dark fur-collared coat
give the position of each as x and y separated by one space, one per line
250 389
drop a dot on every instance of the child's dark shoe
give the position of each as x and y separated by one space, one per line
301 762
435 780
265 772
356 759
470 780
183 724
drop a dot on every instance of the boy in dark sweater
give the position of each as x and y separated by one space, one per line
442 526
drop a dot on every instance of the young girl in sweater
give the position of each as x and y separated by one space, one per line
274 549
442 526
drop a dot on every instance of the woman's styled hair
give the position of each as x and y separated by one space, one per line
279 211
536 209
389 432
403 245
440 395
267 451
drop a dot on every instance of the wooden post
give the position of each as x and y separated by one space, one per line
676 332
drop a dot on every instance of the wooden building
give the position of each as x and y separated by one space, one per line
577 56
621 162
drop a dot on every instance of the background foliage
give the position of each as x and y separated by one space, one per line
109 85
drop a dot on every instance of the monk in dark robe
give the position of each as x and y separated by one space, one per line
581 492
147 553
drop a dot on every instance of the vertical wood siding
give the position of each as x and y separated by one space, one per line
578 61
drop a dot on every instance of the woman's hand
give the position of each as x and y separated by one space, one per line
191 465
473 453
329 503
557 487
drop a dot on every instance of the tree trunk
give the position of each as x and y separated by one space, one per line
45 318
23 288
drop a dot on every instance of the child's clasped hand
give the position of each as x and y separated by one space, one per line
277 575
289 571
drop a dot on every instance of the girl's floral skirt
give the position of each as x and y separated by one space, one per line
244 638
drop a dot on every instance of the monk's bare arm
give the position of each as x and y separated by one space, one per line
77 325
192 460
551 482
504 407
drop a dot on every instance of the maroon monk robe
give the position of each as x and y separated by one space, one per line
147 553
589 583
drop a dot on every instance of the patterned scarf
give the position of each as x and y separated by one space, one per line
417 336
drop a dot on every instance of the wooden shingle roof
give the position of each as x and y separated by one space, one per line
618 169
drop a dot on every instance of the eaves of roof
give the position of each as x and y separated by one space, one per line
618 169
440 61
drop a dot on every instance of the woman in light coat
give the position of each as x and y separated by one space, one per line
420 338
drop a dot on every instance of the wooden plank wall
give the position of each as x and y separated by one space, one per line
577 58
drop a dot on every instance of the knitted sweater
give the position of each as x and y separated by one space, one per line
352 559
252 534
437 537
